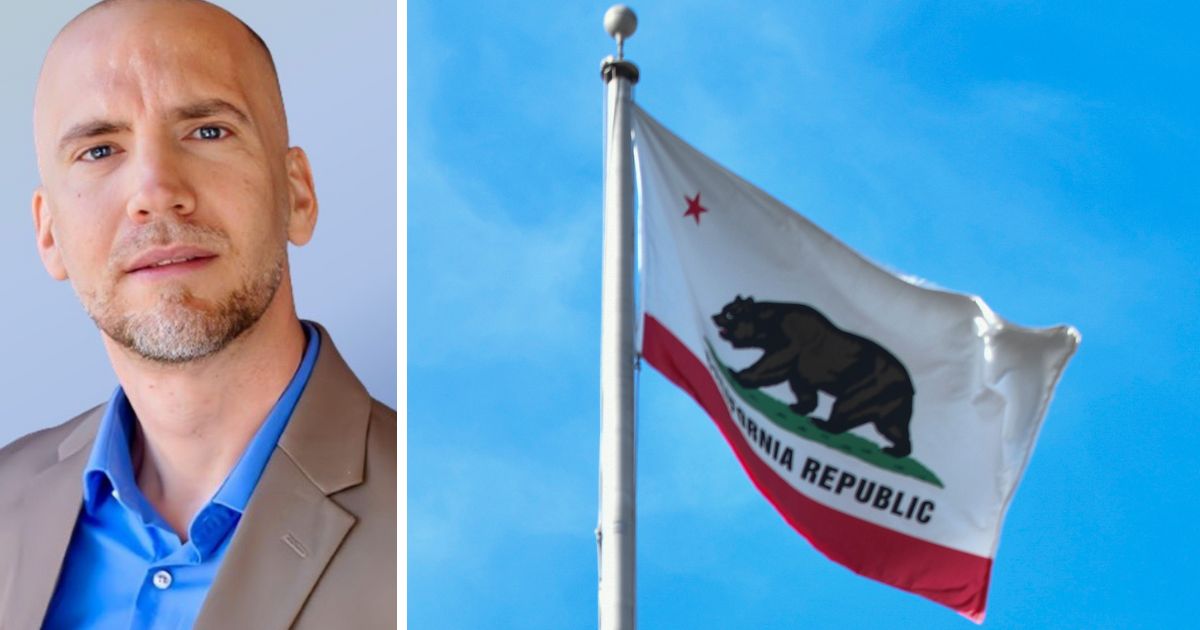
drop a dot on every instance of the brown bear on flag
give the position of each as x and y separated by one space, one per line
804 349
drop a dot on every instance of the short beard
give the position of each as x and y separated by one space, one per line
177 333
177 330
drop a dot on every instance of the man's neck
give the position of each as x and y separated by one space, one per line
196 419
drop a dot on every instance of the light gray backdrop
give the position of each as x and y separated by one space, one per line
338 73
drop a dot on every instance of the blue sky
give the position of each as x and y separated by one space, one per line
1042 157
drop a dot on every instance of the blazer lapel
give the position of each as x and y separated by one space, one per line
287 536
291 529
49 508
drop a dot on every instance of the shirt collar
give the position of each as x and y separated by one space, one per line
109 470
110 466
235 491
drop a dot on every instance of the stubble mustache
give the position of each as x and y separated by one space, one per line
165 234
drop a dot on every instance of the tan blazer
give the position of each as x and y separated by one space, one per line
316 547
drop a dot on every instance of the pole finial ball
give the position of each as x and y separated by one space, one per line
620 21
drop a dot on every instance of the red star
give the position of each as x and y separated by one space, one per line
694 208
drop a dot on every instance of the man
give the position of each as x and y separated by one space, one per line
240 476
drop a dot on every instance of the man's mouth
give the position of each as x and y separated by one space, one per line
179 258
169 262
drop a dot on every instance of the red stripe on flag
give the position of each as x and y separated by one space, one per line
947 576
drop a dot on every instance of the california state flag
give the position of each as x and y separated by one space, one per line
888 423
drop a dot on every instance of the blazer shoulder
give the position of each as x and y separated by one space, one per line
29 455
381 413
381 441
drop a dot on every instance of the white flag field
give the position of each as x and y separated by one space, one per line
889 423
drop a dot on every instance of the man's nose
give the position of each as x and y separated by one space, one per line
161 184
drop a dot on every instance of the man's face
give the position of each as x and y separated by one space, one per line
168 192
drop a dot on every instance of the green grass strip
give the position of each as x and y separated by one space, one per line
855 446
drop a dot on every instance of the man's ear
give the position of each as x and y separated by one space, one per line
43 226
302 212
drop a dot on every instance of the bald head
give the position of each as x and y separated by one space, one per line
114 44
106 3
160 131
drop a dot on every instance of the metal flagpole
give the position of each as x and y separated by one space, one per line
616 533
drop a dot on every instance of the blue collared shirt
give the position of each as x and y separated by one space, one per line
125 567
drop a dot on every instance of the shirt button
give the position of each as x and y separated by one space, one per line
162 580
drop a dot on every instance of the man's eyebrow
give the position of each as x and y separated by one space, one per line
211 107
200 109
90 129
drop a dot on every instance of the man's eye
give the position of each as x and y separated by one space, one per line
97 153
210 133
